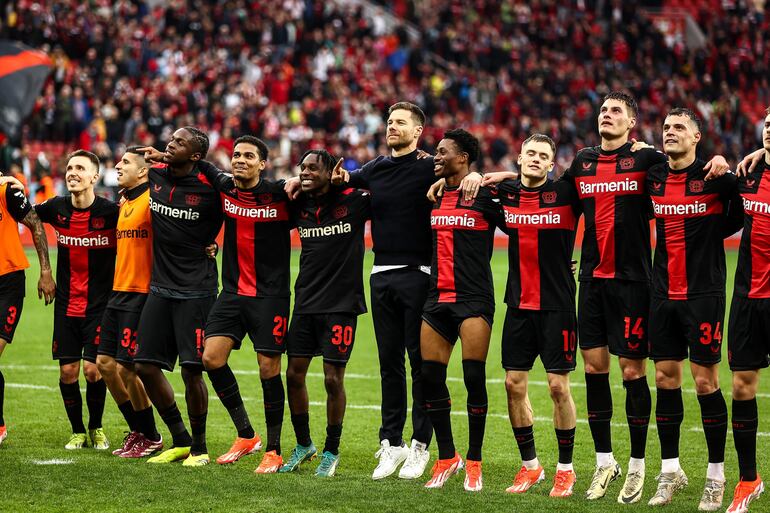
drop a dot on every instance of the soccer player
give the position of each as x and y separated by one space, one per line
329 296
255 295
14 208
130 287
692 217
460 302
540 219
399 282
747 343
186 215
85 236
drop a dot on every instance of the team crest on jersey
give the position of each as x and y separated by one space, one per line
340 212
750 182
466 202
627 163
586 165
97 223
549 197
157 188
265 198
192 199
62 219
304 215
656 186
696 186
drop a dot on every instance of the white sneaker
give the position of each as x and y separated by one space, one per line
416 461
390 458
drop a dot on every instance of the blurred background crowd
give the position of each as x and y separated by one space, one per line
321 73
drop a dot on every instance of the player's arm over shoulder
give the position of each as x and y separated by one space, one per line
218 178
17 203
47 209
359 178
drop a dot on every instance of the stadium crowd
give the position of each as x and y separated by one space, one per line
316 74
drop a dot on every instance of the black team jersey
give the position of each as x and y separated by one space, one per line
463 237
331 229
86 244
186 217
257 246
752 276
610 185
400 209
692 218
540 224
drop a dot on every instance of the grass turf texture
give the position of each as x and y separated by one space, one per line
38 474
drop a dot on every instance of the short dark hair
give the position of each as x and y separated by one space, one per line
87 154
540 138
134 150
683 111
259 143
465 141
625 98
418 116
327 159
767 111
200 140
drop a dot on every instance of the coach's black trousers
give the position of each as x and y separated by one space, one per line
398 297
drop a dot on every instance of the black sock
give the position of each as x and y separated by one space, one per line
474 374
301 423
171 416
2 398
525 439
599 405
96 393
713 411
566 440
145 424
198 429
745 421
274 398
438 406
638 408
333 435
129 414
73 404
226 387
669 412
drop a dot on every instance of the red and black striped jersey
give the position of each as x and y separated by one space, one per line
331 265
463 237
752 276
86 244
257 246
692 218
540 224
610 185
186 217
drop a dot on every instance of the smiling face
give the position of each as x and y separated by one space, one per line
181 148
449 160
313 176
81 174
536 160
402 130
132 168
246 162
614 119
680 136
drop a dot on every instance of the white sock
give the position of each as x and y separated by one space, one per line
531 464
604 459
716 471
564 466
669 465
636 465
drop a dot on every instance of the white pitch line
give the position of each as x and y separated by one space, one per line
51 462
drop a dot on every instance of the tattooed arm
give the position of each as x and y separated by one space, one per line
46 288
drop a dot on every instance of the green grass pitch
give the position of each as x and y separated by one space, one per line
38 474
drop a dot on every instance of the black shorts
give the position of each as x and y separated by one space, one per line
748 343
11 303
76 338
550 334
693 325
446 318
172 327
613 314
264 319
119 327
329 335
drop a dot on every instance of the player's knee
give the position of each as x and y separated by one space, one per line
69 373
632 371
106 365
705 385
559 390
191 375
212 360
515 386
333 383
91 372
294 378
269 367
744 387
